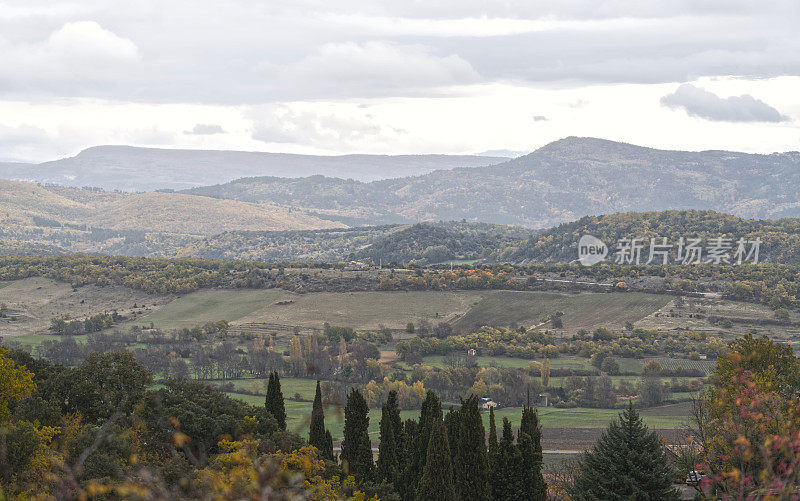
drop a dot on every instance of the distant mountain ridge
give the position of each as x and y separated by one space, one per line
131 168
560 182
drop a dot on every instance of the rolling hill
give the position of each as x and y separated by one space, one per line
560 182
26 205
130 168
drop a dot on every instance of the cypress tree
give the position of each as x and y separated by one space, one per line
506 475
493 446
430 413
529 442
317 435
393 409
274 401
437 477
452 424
356 447
329 445
471 464
388 467
407 487
628 462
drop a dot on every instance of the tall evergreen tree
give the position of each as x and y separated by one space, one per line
529 442
356 447
471 464
317 435
329 446
274 401
389 452
493 445
437 477
505 480
430 413
628 462
407 487
452 424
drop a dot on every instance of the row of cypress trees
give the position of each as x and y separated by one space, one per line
318 435
444 457
447 457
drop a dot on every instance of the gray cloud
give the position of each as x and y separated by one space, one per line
206 130
204 51
540 118
701 103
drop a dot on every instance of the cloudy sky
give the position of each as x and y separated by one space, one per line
378 76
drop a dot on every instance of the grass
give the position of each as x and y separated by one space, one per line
30 340
200 307
365 310
581 311
663 417
629 364
440 361
556 381
289 386
571 363
370 310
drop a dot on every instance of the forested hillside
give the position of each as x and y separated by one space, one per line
428 243
781 238
560 182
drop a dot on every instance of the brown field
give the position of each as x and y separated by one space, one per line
586 310
36 301
671 317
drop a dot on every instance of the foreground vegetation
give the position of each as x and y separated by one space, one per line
96 430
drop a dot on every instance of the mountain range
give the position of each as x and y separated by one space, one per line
131 168
562 181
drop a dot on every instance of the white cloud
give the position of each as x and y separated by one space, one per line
89 40
78 58
377 67
698 102
206 129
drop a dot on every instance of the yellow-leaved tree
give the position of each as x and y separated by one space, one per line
16 383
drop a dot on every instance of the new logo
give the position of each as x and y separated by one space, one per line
591 250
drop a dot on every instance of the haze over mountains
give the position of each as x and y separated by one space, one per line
131 168
560 182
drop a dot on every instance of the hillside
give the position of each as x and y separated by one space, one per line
145 169
781 238
20 203
427 243
27 210
560 182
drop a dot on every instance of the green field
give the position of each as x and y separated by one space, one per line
31 340
440 361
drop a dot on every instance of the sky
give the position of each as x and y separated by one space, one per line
390 77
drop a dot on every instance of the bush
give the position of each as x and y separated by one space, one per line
610 366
